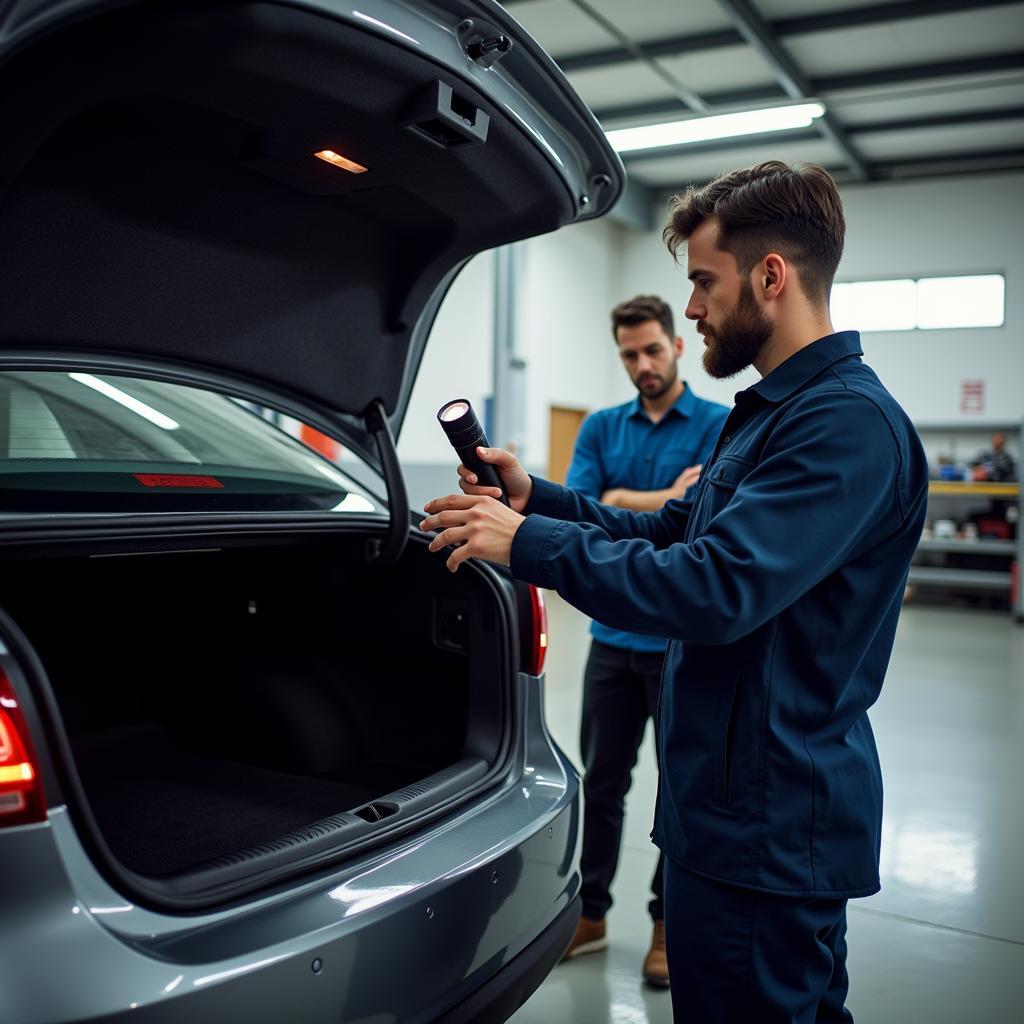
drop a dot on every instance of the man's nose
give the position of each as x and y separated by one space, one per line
695 310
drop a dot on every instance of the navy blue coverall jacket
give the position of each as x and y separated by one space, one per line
779 585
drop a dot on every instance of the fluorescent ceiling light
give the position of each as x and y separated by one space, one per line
119 396
715 126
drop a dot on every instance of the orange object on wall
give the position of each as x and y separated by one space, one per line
325 445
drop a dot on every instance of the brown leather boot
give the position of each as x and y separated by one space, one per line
591 937
656 962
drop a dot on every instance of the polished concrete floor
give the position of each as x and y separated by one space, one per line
943 942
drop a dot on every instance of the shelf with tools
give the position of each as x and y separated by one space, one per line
973 543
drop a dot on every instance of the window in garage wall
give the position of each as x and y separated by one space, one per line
927 303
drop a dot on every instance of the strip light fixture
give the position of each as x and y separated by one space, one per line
716 126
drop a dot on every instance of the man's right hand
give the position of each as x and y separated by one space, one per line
518 485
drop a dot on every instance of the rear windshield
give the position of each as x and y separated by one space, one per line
83 442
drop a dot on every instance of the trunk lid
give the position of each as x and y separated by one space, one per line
169 213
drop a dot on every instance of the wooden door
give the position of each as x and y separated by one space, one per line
564 425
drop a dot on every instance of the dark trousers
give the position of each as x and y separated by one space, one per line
620 692
736 956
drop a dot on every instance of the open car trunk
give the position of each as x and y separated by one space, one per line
235 712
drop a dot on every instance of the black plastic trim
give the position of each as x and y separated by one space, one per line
398 497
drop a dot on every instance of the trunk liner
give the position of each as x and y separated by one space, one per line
163 809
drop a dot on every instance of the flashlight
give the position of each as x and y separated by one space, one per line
459 422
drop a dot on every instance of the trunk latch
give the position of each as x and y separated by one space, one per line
484 44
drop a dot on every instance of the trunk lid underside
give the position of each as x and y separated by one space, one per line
170 208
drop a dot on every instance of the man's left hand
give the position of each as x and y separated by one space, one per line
481 526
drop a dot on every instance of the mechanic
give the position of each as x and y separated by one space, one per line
638 456
779 585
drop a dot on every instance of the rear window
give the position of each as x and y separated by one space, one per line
83 442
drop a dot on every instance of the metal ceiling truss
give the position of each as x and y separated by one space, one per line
768 38
756 31
782 28
879 78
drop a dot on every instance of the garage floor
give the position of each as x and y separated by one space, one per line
943 943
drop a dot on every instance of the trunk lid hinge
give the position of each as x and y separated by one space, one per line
388 551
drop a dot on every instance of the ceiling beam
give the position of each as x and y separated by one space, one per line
781 28
1013 61
984 161
822 87
795 83
1005 159
681 90
971 117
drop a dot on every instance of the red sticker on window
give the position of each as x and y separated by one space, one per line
175 480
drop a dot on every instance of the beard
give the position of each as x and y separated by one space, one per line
654 387
735 345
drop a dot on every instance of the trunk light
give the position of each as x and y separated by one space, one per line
337 160
540 630
21 792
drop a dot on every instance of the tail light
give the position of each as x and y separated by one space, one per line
21 789
540 630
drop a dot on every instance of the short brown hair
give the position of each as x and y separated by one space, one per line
794 211
639 310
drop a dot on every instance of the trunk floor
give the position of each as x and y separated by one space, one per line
163 809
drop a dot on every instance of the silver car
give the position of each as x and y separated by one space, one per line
261 757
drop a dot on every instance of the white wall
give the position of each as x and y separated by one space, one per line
952 226
457 363
567 284
949 226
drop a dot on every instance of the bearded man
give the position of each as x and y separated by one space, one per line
779 585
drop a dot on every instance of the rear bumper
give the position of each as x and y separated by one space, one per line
497 999
463 920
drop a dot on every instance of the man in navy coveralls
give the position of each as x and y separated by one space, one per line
637 455
779 584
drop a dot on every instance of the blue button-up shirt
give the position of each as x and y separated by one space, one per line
780 585
623 447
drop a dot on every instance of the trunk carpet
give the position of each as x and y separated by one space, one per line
163 809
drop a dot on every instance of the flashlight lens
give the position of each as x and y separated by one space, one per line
454 411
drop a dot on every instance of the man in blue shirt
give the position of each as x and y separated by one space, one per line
779 585
637 456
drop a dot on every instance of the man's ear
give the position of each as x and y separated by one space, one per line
773 276
677 345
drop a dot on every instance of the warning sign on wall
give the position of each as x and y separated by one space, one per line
972 397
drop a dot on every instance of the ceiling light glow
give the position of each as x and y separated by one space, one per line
337 160
715 126
147 412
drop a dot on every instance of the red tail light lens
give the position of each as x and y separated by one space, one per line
21 790
540 630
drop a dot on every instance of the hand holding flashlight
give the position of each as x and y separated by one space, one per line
459 422
517 482
492 471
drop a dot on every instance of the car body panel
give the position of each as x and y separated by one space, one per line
447 908
411 928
